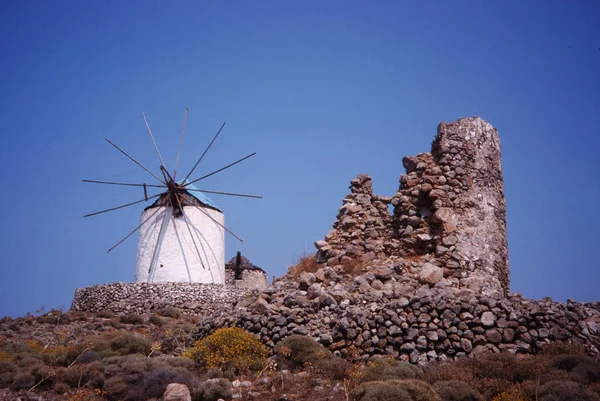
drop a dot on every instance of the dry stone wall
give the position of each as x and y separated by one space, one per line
383 312
136 298
449 216
190 298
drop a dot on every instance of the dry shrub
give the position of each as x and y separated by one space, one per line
24 381
559 348
170 311
229 348
452 390
7 373
127 377
156 320
106 314
490 374
390 369
397 390
118 343
449 371
581 368
297 351
61 388
566 390
307 263
353 266
76 376
132 319
86 357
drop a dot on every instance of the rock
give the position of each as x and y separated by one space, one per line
382 273
488 319
177 392
431 274
306 280
321 244
320 275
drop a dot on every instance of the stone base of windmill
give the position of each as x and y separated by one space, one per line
190 298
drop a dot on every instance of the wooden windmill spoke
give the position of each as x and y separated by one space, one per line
180 143
122 206
161 236
125 184
162 162
132 159
221 169
219 224
186 220
206 150
179 239
131 233
225 193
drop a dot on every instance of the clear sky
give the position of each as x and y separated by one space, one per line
321 90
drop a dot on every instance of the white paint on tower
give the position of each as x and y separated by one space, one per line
189 248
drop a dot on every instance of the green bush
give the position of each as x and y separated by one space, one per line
390 369
453 390
213 389
170 311
298 351
118 343
566 390
155 382
397 390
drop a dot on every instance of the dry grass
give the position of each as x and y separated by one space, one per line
307 263
353 267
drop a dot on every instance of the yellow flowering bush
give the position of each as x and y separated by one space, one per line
229 348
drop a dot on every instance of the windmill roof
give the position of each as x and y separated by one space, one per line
193 190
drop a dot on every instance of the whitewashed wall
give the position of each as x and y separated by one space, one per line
177 259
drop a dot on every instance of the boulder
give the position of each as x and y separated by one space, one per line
177 392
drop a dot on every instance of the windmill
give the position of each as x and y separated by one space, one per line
182 232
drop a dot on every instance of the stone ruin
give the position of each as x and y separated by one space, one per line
449 219
434 283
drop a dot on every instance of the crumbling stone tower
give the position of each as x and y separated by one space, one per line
449 214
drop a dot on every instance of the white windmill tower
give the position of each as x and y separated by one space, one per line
182 234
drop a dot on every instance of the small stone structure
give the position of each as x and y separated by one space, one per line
449 213
190 298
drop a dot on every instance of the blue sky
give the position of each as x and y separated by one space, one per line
321 90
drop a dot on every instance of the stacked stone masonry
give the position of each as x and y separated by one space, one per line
190 298
449 214
383 312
